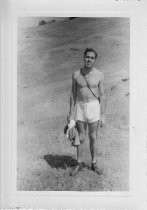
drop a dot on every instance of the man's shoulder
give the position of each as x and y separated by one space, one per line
76 73
99 73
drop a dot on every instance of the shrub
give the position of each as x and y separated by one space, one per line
42 22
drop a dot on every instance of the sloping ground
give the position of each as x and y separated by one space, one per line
47 56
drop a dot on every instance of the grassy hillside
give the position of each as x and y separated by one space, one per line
47 56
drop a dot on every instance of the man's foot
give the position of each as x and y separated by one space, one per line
76 169
95 168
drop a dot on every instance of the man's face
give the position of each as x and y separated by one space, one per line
89 59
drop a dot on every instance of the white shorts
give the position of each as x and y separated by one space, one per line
88 111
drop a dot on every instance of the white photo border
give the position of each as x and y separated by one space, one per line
39 199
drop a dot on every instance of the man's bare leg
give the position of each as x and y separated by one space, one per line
81 126
93 127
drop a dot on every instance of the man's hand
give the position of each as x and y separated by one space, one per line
102 121
69 118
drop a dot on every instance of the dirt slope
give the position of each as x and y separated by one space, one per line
47 56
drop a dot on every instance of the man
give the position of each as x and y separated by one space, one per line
87 106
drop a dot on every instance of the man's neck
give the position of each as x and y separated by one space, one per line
86 70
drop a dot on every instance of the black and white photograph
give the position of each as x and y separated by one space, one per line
73 104
73 99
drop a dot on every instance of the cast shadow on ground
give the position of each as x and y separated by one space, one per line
60 161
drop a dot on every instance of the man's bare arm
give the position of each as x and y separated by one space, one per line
102 97
73 97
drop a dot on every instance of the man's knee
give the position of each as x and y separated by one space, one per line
82 138
92 137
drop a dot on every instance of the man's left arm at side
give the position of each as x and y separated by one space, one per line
102 101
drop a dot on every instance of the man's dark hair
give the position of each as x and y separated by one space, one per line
90 50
